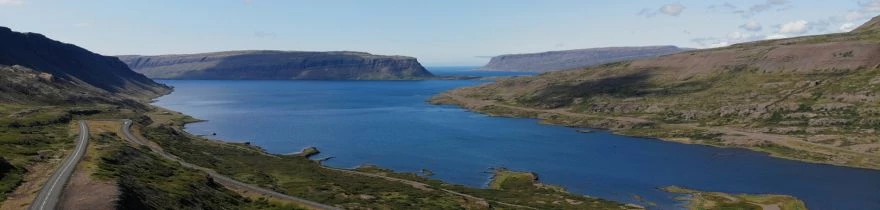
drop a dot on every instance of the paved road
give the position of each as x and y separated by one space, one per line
51 192
226 181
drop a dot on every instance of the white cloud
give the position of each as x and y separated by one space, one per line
853 16
752 25
674 9
736 35
719 44
795 27
11 2
769 4
847 27
776 36
872 6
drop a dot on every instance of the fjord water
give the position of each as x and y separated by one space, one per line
388 123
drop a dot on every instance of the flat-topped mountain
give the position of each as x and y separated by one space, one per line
36 68
279 65
569 59
812 98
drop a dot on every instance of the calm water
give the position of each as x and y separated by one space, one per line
388 123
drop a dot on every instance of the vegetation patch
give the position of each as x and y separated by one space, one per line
148 181
698 200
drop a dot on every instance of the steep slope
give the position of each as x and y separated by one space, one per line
872 24
44 84
809 98
278 65
67 68
569 59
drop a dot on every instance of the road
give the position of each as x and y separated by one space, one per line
229 182
51 192
224 180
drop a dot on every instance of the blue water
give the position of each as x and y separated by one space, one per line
388 123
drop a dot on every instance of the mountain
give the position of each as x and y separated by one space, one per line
813 98
872 24
569 59
38 69
278 65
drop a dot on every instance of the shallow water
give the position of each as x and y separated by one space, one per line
388 123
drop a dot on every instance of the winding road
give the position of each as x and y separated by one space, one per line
51 193
224 180
229 182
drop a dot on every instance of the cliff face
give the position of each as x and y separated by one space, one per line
35 67
278 65
569 59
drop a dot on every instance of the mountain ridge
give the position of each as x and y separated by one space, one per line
576 58
33 63
278 65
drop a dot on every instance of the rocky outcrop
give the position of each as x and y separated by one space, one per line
569 59
33 66
279 65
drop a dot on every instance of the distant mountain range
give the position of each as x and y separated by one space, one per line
38 69
278 65
569 59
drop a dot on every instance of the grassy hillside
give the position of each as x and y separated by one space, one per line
147 181
69 64
296 175
808 98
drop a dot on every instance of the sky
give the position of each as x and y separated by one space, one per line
438 33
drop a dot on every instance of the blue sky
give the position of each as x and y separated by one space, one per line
439 33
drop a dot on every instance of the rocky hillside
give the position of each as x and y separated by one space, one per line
38 69
569 59
279 65
811 98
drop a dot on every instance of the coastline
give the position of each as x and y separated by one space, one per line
411 178
641 128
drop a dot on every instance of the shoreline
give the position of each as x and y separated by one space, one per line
503 110
420 182
489 179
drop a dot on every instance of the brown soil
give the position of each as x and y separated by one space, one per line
33 182
86 193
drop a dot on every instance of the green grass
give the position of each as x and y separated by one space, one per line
29 136
147 181
698 200
738 97
790 152
298 176
10 177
